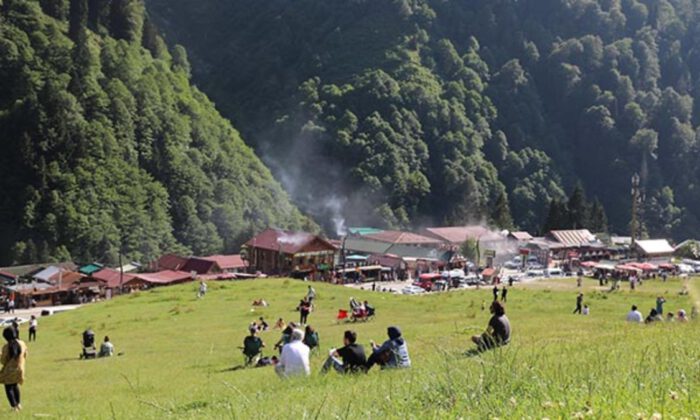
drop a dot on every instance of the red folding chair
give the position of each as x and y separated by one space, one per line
342 315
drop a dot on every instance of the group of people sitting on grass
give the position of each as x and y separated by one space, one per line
656 314
360 310
351 358
296 345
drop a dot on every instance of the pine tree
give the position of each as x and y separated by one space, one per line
578 209
151 40
98 15
557 217
126 19
77 20
500 216
598 220
55 8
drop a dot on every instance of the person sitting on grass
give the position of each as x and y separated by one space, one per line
393 353
260 302
354 305
352 355
106 349
294 359
286 336
311 338
263 326
369 309
682 317
280 324
498 331
252 347
634 315
653 317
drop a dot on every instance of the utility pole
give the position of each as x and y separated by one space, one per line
342 250
634 228
121 271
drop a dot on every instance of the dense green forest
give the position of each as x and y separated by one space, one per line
444 111
105 144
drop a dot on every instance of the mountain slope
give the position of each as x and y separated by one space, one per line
106 144
446 111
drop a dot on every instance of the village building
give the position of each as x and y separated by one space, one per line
652 249
160 278
520 237
391 242
168 262
458 235
567 247
229 263
197 265
90 268
7 278
111 280
283 252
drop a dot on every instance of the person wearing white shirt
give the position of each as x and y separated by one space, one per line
294 359
634 315
33 324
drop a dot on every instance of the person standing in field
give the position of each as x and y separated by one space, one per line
579 281
579 303
304 309
294 360
495 292
660 305
504 294
202 289
33 324
14 355
311 295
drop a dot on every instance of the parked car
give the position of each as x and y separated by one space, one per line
685 269
6 322
535 273
554 272
412 290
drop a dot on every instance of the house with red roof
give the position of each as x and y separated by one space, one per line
229 263
201 266
111 278
281 252
169 262
160 278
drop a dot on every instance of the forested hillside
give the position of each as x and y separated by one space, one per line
445 111
105 144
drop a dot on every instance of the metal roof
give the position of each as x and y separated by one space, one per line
459 234
228 262
399 237
654 247
573 237
286 241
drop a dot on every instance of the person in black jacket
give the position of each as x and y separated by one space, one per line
348 359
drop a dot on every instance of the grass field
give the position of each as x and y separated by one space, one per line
179 351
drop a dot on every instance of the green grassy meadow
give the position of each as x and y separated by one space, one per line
178 352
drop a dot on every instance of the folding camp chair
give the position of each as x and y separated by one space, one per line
342 315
